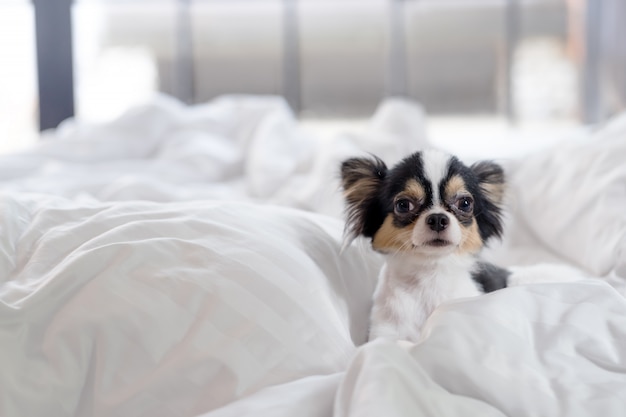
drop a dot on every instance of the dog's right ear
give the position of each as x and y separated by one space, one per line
361 179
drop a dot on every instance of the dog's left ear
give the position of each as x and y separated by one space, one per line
491 181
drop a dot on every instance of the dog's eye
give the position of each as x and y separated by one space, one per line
404 205
465 204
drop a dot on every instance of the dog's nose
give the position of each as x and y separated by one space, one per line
437 221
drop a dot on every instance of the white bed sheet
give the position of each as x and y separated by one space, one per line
170 309
147 269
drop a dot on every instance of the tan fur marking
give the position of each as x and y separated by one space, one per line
495 192
361 189
414 189
455 186
390 238
470 239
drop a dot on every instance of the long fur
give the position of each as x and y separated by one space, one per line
361 179
430 215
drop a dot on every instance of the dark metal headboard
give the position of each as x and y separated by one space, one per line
55 73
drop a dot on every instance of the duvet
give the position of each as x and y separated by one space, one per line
189 262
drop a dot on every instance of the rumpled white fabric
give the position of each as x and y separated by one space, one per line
170 309
573 198
544 350
156 266
566 204
245 148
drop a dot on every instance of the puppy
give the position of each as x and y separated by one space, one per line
430 215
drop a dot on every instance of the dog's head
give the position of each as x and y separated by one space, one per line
430 203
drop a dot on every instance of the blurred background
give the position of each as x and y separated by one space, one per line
485 65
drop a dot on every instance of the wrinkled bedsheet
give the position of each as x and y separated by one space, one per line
186 261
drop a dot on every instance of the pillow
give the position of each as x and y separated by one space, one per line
573 199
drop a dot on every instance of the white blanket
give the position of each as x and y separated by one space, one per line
146 269
148 309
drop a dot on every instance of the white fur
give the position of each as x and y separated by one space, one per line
422 233
435 168
411 287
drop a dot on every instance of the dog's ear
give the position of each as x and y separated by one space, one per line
491 181
361 179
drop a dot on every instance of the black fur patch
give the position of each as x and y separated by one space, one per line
409 168
490 277
489 214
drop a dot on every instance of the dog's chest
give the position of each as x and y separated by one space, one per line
420 301
403 303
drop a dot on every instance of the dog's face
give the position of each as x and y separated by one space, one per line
430 203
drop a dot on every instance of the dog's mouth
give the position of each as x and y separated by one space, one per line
438 243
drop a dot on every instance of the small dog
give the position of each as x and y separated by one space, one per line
430 215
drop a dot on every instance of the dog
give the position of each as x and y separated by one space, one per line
430 215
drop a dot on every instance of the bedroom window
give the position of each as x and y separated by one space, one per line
335 58
508 60
18 82
125 53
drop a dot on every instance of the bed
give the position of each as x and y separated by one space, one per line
188 261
